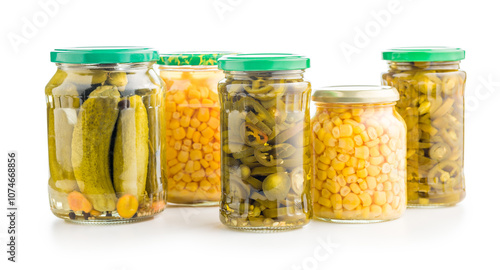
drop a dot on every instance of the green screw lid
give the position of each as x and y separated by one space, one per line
103 55
367 94
263 62
191 58
423 54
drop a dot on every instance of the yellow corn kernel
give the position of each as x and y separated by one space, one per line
341 180
176 168
336 132
331 173
171 153
322 166
357 140
376 160
209 157
362 152
345 115
343 157
351 178
217 156
376 210
390 196
357 112
179 97
189 133
180 185
208 132
325 202
321 134
385 150
197 146
384 139
361 164
321 175
345 130
374 152
196 136
198 174
387 186
328 125
194 103
365 198
344 190
195 123
351 201
325 159
177 145
195 154
355 188
346 143
213 122
336 200
337 165
372 133
214 165
315 195
203 115
387 209
204 163
329 140
189 166
172 162
188 112
364 136
183 156
337 121
319 147
379 197
205 185
202 127
373 170
362 173
325 193
186 178
372 182
192 186
352 162
386 168
331 152
179 133
363 185
196 165
174 123
348 171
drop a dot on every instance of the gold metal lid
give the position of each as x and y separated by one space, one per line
356 94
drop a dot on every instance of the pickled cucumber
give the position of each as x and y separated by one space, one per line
131 153
91 145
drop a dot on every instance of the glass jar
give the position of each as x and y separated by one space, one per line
265 141
431 86
359 150
192 164
104 109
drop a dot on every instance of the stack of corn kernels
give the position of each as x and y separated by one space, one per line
359 163
192 138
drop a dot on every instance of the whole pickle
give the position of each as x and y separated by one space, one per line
131 150
91 145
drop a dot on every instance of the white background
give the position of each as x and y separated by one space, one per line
459 237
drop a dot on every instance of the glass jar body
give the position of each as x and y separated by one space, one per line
104 142
266 150
359 163
192 164
432 104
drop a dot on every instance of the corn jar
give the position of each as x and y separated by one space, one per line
359 150
431 86
104 111
192 146
265 142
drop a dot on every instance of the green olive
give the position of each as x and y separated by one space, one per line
276 186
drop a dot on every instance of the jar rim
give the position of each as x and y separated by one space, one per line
423 54
263 62
355 94
103 55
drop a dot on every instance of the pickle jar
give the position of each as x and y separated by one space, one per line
265 133
431 86
359 155
104 109
192 146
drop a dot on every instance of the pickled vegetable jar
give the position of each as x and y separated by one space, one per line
431 86
359 155
265 142
104 113
192 163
